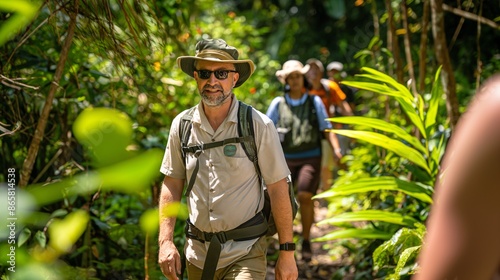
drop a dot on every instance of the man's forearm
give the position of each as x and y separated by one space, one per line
282 210
170 195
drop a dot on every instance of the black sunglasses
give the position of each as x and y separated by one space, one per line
219 74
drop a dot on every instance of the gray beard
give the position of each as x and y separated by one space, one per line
217 101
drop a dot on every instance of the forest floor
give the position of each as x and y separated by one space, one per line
322 266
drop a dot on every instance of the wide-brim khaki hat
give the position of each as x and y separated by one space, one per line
217 50
289 67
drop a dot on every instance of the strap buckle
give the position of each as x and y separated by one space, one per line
221 236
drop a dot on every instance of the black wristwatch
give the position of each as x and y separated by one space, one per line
289 246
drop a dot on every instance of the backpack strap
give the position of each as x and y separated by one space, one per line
246 130
185 129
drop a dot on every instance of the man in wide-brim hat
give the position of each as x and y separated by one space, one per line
224 194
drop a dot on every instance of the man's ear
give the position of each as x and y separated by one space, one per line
236 77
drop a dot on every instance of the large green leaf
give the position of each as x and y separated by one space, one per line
22 13
402 245
437 153
377 88
355 233
437 90
371 215
391 87
384 78
416 190
406 255
130 176
383 126
388 143
412 114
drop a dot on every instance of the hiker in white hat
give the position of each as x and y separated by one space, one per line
300 119
226 230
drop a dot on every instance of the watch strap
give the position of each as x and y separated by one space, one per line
288 246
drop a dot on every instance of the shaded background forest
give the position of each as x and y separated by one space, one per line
88 183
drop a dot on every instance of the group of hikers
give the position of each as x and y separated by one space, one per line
238 167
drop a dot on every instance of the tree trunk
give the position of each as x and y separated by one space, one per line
54 86
443 58
390 37
407 42
393 43
423 47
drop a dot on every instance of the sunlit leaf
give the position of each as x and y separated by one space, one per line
106 133
412 189
174 209
432 110
66 232
388 143
406 255
23 237
23 13
384 78
382 126
41 239
384 84
130 176
377 88
371 215
356 234
149 221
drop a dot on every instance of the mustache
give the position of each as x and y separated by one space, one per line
212 87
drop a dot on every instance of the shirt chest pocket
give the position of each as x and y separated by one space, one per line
232 157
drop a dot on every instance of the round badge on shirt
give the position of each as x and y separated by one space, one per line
229 150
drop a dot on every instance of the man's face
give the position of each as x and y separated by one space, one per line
215 91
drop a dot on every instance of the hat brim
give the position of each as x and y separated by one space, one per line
283 74
244 67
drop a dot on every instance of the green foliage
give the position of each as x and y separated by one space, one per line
414 155
402 248
65 228
23 12
123 59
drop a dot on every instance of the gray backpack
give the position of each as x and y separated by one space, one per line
247 140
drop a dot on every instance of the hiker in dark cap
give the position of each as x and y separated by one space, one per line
226 229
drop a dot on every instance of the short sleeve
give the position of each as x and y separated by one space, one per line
173 161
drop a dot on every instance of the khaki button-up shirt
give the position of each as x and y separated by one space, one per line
226 192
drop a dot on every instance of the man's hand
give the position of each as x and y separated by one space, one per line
169 260
286 267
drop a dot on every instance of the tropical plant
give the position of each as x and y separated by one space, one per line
413 176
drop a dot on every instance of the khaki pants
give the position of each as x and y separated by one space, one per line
252 266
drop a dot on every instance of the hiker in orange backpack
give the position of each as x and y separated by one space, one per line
300 119
334 100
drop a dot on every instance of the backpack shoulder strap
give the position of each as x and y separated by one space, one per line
246 129
185 129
